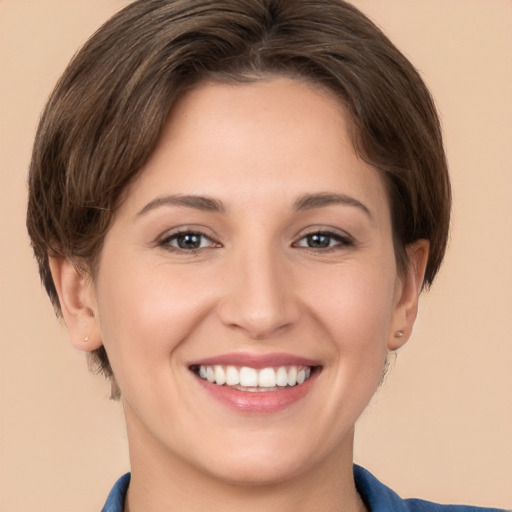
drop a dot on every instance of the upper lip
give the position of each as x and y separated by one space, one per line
257 361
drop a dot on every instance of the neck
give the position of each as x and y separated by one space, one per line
167 483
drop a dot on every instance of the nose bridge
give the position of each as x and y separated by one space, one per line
258 298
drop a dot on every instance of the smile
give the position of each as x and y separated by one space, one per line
251 383
250 379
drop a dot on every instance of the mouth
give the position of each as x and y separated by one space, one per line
250 379
256 383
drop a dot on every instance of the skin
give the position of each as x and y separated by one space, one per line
255 285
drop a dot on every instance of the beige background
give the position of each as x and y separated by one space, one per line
441 428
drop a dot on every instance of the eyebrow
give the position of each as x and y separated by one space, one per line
311 201
203 203
208 204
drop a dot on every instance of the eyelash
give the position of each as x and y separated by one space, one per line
182 234
340 241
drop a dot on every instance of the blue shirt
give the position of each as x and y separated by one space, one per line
376 496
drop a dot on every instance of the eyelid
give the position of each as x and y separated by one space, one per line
164 239
345 240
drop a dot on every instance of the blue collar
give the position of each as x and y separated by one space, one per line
115 500
376 496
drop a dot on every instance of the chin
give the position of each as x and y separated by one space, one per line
265 460
257 471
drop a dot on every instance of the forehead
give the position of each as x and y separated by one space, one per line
271 138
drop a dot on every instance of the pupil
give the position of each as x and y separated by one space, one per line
319 240
189 241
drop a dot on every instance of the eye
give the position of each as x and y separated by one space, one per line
323 240
188 241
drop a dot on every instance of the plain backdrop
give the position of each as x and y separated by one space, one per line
440 428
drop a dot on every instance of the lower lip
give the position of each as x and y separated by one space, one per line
258 402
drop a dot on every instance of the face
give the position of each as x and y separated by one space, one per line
247 291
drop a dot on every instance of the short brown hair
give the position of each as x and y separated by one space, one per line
108 109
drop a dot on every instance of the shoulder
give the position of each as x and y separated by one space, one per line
115 500
376 496
380 498
416 505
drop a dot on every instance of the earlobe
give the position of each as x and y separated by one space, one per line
74 288
408 291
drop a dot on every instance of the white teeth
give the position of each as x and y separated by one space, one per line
282 376
267 378
292 376
232 376
220 375
248 377
210 374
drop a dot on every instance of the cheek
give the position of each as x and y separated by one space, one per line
355 305
145 316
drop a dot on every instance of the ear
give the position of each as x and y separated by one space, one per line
407 293
76 297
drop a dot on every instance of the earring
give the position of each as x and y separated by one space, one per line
86 339
399 334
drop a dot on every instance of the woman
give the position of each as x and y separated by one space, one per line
234 206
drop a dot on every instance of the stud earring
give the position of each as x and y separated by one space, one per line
399 334
86 339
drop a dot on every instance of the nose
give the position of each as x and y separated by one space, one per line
259 296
